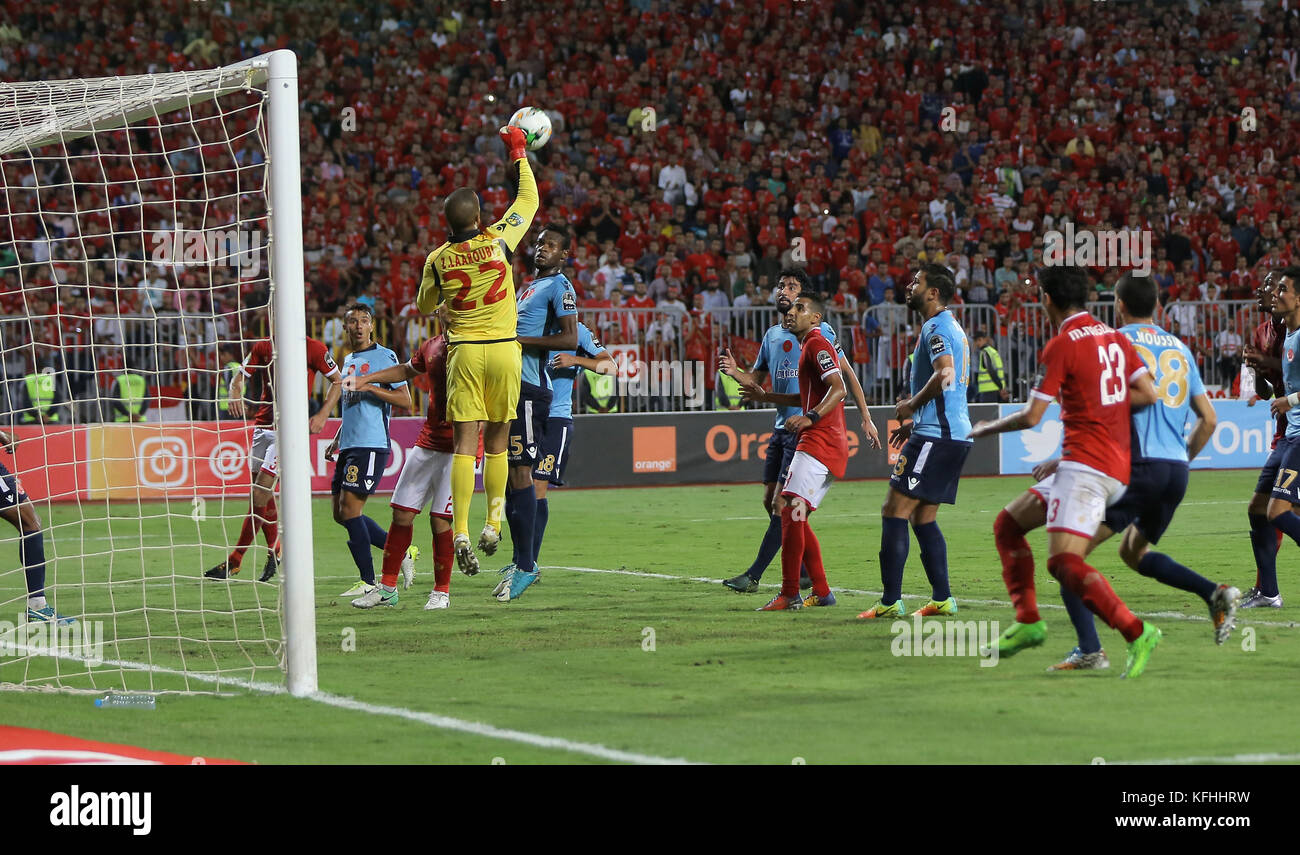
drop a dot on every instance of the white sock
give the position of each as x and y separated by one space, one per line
37 603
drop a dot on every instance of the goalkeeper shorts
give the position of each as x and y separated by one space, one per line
483 380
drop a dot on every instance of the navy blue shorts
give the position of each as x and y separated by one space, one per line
358 470
11 492
928 469
780 449
1279 475
529 426
1155 488
555 452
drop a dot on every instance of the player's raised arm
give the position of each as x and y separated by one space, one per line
519 216
602 364
1026 418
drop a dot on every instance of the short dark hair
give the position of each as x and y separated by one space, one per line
1066 285
938 276
814 302
1292 273
360 307
561 229
798 274
1139 294
981 333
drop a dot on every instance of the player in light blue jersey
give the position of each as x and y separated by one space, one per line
362 442
548 322
1283 467
557 444
778 358
933 447
1161 452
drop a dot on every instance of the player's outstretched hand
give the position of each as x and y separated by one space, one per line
900 435
869 428
726 362
751 391
980 429
1279 406
237 407
563 360
316 423
352 383
1043 470
333 449
516 142
904 410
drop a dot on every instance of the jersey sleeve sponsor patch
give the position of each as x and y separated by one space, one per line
937 345
569 302
825 361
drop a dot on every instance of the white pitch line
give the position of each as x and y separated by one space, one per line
441 722
715 581
1189 761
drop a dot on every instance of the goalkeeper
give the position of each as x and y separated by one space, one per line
17 509
471 273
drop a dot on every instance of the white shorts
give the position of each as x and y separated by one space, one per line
425 478
262 455
808 478
1077 497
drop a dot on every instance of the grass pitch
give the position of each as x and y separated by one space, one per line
607 656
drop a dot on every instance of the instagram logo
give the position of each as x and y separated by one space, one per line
162 461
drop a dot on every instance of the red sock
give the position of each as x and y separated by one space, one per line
812 559
399 539
1279 540
792 552
246 534
1017 567
1091 587
271 524
442 560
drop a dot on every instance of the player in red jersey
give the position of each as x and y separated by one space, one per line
1099 377
1263 358
425 479
263 515
819 458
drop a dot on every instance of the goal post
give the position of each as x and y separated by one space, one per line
290 311
88 167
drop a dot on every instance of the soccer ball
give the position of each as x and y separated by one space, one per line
535 124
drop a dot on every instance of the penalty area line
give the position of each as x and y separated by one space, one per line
442 722
713 581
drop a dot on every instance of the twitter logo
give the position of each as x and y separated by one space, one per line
1042 443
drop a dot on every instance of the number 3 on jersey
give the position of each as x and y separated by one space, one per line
1114 383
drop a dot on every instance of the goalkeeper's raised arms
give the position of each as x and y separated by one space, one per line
478 286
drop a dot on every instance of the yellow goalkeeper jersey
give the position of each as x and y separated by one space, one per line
474 275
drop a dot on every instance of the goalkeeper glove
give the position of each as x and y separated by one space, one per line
516 142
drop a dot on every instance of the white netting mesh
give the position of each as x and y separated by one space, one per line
134 267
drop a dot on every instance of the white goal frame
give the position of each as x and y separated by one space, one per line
41 115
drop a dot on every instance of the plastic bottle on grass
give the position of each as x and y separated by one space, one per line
127 702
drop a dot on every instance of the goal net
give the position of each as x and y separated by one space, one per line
151 234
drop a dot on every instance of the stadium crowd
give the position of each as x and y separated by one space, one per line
698 148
